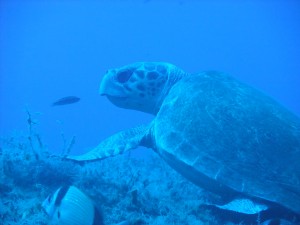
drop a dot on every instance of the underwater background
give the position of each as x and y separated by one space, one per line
52 49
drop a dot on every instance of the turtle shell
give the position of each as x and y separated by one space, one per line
224 133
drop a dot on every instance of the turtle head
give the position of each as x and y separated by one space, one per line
141 86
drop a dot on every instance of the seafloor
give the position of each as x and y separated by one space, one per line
142 191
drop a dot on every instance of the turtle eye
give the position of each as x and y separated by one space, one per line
124 76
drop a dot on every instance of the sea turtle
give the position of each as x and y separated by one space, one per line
218 132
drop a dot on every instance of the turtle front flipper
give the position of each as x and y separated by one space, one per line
115 144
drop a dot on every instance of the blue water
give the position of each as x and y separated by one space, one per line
52 49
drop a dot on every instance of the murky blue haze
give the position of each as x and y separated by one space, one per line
52 49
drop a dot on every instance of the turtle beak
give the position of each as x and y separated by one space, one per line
109 87
103 89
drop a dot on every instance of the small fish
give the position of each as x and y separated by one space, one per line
69 206
66 100
245 206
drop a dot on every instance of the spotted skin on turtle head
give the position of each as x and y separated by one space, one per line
139 86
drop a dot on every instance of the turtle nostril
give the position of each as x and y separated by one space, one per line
124 76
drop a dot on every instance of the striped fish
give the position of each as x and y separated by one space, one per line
69 206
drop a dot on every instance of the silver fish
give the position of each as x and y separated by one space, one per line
70 206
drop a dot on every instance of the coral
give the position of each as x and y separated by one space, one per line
142 191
